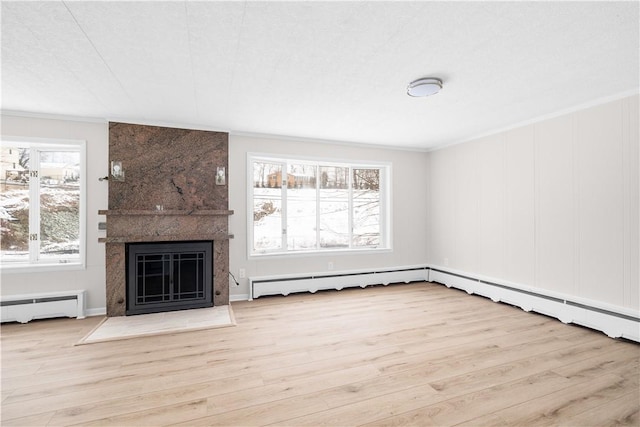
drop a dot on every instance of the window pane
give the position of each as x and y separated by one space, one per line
334 207
14 205
366 207
267 206
301 206
59 176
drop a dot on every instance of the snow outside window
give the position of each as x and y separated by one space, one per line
41 203
310 205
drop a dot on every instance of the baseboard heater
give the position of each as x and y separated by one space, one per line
285 285
23 308
614 323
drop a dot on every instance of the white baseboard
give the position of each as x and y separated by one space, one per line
313 282
100 311
239 297
616 322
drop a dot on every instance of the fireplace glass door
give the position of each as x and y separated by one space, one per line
168 276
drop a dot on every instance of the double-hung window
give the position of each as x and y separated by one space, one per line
42 203
303 205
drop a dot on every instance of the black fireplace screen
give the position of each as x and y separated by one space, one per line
169 276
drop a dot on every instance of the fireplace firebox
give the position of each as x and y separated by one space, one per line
168 276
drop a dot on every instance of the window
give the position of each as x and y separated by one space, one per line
310 205
41 203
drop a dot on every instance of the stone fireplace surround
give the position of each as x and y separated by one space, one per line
176 170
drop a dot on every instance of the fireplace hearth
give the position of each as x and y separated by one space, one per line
169 276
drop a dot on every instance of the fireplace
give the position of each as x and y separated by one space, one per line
167 194
126 229
168 276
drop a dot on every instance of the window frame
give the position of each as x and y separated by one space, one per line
48 144
385 205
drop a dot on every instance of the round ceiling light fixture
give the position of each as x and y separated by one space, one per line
425 86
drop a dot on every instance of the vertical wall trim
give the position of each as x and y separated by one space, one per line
454 202
575 208
428 211
536 207
475 177
634 207
625 123
505 202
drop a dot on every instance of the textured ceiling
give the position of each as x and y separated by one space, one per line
321 70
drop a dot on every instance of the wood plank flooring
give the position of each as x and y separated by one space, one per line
418 354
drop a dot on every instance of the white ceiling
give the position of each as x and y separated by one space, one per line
323 70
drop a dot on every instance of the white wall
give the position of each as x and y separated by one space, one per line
409 207
408 217
551 205
93 277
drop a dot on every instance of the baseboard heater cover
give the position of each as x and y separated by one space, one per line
285 285
23 308
613 323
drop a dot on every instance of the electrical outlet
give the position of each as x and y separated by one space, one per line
242 273
330 265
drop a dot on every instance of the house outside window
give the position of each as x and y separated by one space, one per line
311 206
42 197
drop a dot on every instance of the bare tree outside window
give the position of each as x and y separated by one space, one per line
23 159
334 207
366 207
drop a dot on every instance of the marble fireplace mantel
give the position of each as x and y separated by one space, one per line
160 225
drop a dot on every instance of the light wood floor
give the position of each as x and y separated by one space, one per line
417 354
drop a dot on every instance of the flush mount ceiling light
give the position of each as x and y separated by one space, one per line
425 86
